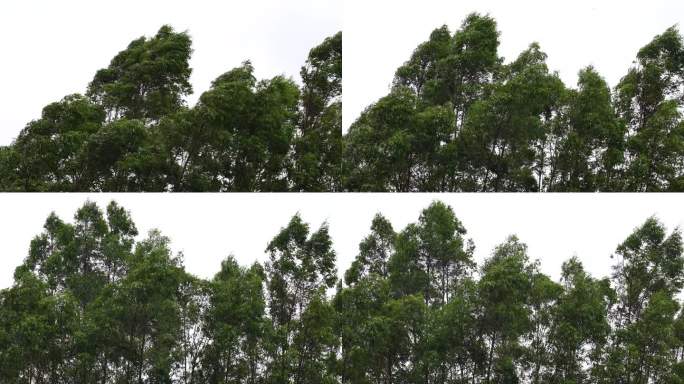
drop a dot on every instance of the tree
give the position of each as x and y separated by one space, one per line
367 353
236 325
300 268
374 252
454 69
648 98
250 127
503 292
454 348
395 144
579 324
591 151
145 308
406 141
647 277
506 134
431 256
148 79
50 148
318 144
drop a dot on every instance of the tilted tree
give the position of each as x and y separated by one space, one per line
318 143
148 79
649 99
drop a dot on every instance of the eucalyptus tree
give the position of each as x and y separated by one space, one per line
49 150
235 324
301 267
249 127
318 142
649 99
591 150
374 252
148 79
405 141
647 279
431 256
454 70
504 313
579 325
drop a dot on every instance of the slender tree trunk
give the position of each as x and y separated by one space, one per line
491 357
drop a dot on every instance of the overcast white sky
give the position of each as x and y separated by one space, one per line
53 48
381 34
208 227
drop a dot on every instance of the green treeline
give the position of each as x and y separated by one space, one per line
459 119
132 131
90 304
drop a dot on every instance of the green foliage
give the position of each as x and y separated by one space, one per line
513 323
460 119
409 140
374 252
235 321
148 79
49 151
318 143
300 269
133 131
246 131
93 303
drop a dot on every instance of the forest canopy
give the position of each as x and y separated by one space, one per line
93 302
132 130
458 118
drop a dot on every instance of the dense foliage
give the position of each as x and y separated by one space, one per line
460 119
91 304
132 130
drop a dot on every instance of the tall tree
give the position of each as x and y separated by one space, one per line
579 324
318 144
300 268
503 295
590 153
50 148
648 99
431 255
647 277
236 325
250 125
374 252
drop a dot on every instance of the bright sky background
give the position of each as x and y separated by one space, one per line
208 227
381 34
53 48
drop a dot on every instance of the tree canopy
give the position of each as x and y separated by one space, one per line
132 130
95 302
458 118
